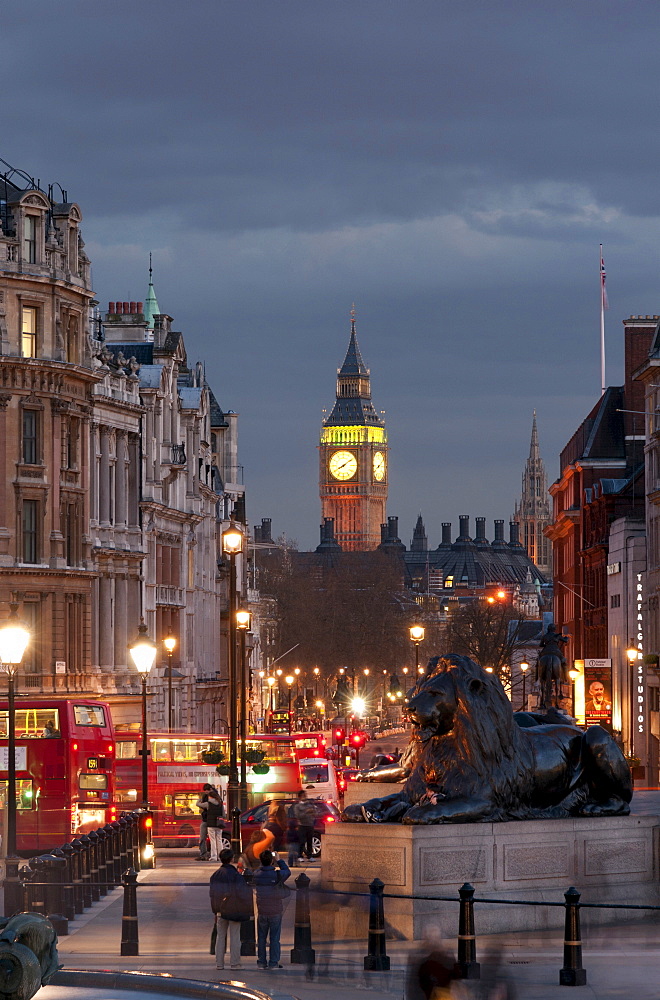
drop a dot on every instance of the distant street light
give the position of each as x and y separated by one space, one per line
289 680
143 652
573 674
232 546
243 624
417 633
169 642
524 666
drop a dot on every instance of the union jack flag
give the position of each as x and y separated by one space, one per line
603 290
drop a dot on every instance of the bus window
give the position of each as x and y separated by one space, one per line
275 750
160 750
126 749
24 794
93 782
32 723
127 795
314 772
184 804
89 715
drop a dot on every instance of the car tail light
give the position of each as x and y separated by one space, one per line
329 819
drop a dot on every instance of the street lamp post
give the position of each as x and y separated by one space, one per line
169 643
14 638
316 682
416 635
573 674
524 666
143 652
271 694
232 545
243 623
289 680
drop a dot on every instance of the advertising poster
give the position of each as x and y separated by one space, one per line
598 693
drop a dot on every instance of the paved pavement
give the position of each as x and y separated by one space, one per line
175 925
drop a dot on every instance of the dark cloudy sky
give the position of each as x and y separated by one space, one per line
449 166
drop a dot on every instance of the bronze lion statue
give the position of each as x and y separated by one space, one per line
469 762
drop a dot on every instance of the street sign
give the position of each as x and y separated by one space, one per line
60 666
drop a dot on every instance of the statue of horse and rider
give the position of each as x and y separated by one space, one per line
551 667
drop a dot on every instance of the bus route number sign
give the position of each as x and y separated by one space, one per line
92 764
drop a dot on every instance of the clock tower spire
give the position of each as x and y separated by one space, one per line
353 466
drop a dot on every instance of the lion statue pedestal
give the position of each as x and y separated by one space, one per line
518 812
609 860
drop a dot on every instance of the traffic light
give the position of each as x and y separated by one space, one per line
358 740
340 736
145 839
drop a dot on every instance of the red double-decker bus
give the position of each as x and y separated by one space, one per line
65 752
177 771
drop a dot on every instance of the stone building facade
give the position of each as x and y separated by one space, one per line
46 383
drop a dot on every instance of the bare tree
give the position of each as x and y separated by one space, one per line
488 633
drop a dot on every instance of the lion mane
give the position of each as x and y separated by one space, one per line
485 747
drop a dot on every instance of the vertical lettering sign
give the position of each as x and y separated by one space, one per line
638 706
598 693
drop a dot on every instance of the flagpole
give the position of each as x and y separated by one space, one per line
601 268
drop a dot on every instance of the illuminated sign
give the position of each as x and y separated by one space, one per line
598 692
613 568
639 676
92 764
21 758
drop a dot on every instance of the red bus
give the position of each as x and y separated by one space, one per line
177 772
64 769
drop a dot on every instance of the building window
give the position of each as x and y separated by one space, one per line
29 332
30 547
615 601
31 615
30 449
30 239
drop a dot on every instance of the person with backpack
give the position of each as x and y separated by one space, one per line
271 892
214 813
203 828
231 902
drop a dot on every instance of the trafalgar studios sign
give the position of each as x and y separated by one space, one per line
638 681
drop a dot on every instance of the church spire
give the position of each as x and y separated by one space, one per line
534 454
532 512
151 307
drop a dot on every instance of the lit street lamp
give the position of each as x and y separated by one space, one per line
143 652
289 680
232 545
14 638
169 643
243 623
416 635
270 681
573 674
524 666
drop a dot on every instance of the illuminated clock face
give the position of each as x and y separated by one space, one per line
343 465
379 466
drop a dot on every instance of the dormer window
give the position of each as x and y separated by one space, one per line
30 239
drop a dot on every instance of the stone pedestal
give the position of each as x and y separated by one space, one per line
612 860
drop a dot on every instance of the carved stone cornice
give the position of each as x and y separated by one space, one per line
5 398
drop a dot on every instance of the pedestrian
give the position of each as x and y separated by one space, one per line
203 828
259 841
375 757
269 882
214 813
305 812
231 901
293 842
276 822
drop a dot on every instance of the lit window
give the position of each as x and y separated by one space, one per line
30 450
30 239
449 582
29 332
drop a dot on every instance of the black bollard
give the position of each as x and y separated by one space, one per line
77 878
236 831
111 881
86 873
376 960
71 856
100 860
56 871
302 952
467 966
248 940
116 852
135 840
25 876
123 843
129 920
94 865
572 974
67 910
38 885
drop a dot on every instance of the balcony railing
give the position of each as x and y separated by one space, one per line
170 596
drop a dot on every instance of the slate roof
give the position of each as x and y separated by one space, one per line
353 363
150 376
143 353
191 398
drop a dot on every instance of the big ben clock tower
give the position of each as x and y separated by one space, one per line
353 465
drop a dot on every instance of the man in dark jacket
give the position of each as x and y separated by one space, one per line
214 812
268 880
305 812
231 901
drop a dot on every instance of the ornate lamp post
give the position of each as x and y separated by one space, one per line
243 624
417 633
14 639
270 681
143 651
316 681
232 545
524 666
289 680
169 643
